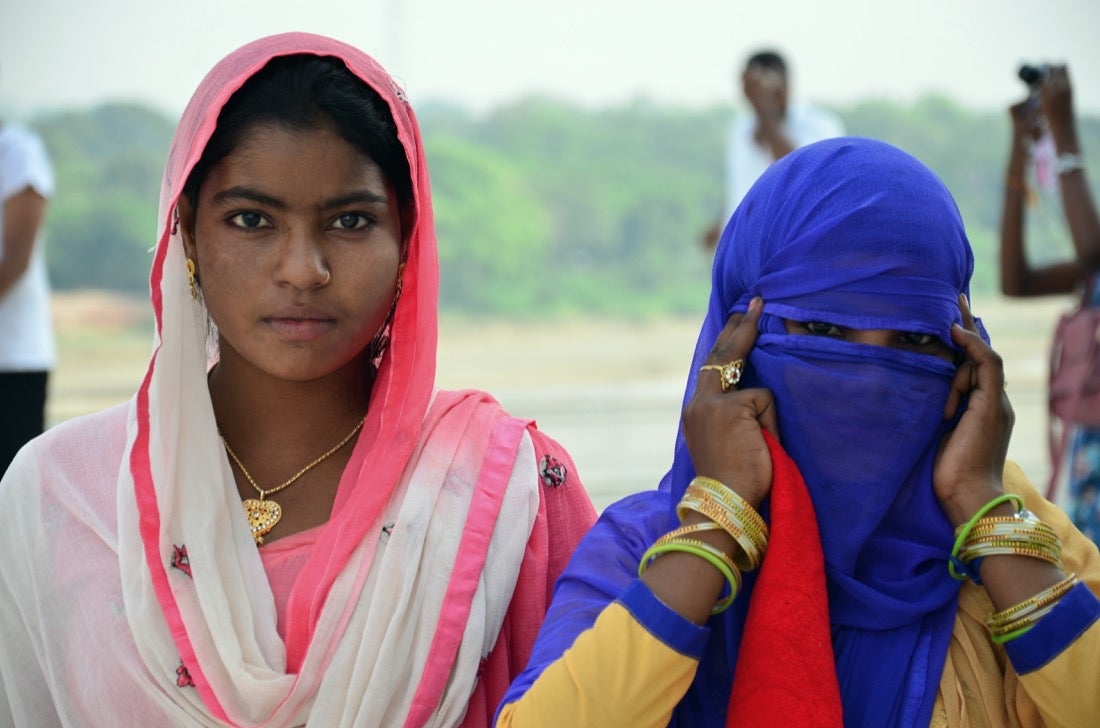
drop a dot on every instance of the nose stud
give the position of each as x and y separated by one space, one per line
328 277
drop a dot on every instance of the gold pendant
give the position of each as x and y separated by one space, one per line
262 516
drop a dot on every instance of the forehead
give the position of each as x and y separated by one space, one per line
271 155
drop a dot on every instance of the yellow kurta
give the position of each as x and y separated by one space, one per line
979 687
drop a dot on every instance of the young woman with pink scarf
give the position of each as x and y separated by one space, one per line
288 523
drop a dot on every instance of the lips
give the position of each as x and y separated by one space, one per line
301 324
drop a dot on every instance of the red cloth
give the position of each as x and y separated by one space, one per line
785 673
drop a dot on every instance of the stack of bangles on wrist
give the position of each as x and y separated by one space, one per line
728 512
1021 534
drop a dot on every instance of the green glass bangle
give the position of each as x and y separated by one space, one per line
1001 639
704 551
963 532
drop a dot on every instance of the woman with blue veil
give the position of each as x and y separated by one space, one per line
839 539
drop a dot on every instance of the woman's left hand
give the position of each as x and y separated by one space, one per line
971 460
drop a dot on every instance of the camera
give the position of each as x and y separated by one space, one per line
1034 76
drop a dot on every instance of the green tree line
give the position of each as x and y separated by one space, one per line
542 207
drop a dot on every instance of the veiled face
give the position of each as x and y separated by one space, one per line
297 242
905 340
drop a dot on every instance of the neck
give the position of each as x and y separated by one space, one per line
260 414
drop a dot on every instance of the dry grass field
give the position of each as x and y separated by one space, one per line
607 390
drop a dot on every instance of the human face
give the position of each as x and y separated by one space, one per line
906 340
297 241
765 88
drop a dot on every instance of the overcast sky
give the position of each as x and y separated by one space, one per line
481 53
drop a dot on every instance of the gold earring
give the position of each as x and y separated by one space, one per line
191 280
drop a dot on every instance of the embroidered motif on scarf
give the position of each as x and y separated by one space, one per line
180 560
183 677
552 471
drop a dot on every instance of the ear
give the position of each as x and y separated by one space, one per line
186 217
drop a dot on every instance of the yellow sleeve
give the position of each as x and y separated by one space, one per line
979 686
1066 690
617 657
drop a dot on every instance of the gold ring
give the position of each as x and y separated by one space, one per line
731 373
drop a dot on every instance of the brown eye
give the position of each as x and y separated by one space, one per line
912 338
926 344
821 328
352 221
249 220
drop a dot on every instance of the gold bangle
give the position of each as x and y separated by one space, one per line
738 513
731 496
1019 623
1050 595
739 519
1021 534
1011 550
747 557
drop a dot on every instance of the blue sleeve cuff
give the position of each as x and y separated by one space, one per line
1072 615
663 623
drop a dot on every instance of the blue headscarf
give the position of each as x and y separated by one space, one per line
857 233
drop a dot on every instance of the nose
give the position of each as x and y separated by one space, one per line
301 261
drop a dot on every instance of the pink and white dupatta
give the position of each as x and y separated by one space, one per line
378 631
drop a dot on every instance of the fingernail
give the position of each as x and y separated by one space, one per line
755 303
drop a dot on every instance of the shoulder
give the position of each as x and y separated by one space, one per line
80 452
23 161
811 112
742 123
16 138
813 123
108 425
65 480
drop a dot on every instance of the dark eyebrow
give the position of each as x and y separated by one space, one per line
252 195
359 196
247 193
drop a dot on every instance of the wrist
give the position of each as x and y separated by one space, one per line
1068 162
718 538
961 508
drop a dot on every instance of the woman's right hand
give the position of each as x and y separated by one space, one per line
723 429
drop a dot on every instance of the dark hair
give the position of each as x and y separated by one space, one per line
767 59
308 92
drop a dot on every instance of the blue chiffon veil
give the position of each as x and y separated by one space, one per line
857 233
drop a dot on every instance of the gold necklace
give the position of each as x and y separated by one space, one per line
264 514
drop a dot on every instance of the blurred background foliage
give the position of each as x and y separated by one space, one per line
542 208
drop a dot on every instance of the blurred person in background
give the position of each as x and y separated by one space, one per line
27 349
774 128
1047 116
